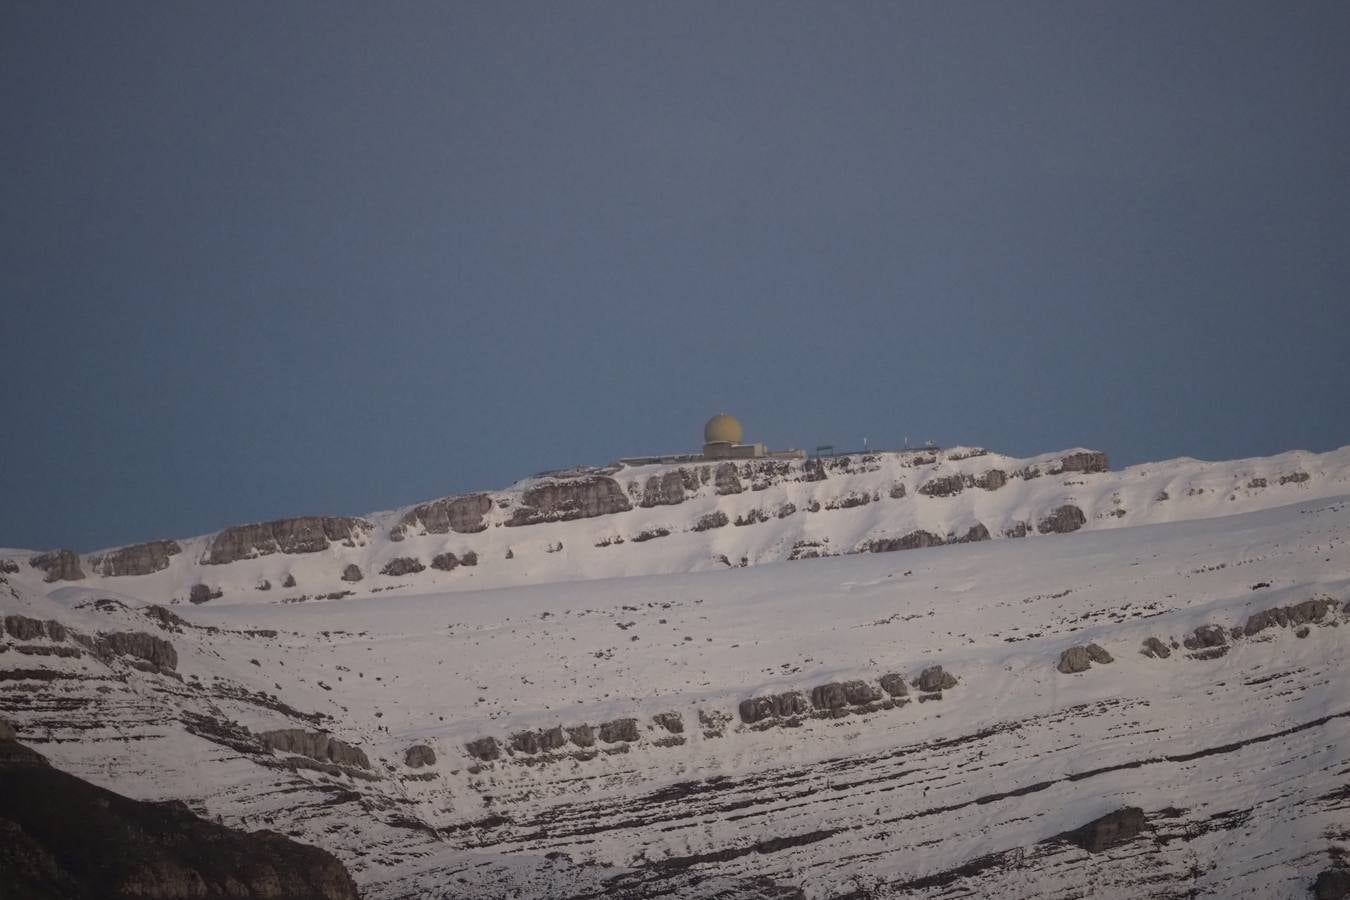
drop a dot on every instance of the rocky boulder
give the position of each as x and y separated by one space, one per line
60 565
1080 659
1111 830
305 534
137 559
1155 648
352 573
1065 519
934 678
1205 636
315 745
200 593
564 501
462 515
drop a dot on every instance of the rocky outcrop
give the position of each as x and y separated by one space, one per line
419 755
484 748
1331 884
669 489
60 565
915 540
619 730
541 741
715 519
773 706
1285 616
403 565
1065 519
934 678
23 628
137 559
944 486
66 839
139 645
306 534
1208 642
462 515
468 558
445 562
1294 478
893 683
974 534
1086 463
992 480
726 481
672 722
1155 648
1111 830
581 735
1081 658
315 745
200 593
352 573
564 501
837 695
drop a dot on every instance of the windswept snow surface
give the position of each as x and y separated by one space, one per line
1238 754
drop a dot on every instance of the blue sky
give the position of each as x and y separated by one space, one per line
266 259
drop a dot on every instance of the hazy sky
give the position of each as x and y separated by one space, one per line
274 258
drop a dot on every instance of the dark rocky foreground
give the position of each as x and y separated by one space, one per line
62 838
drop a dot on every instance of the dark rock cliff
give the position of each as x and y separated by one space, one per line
62 838
307 534
563 501
137 559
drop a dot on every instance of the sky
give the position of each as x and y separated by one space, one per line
263 259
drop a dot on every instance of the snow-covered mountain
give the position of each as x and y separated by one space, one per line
615 521
716 680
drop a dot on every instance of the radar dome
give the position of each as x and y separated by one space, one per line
722 428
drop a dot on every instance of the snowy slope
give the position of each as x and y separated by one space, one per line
1237 754
773 510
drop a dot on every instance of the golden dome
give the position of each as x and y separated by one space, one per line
722 428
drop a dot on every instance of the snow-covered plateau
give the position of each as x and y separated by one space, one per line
931 673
